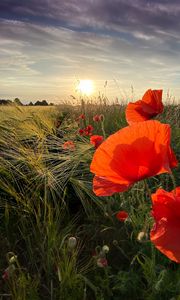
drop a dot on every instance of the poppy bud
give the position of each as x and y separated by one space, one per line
142 236
72 242
96 118
13 259
105 249
101 118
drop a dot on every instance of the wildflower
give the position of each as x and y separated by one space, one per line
81 131
68 145
88 130
72 242
166 230
102 262
142 236
82 117
150 106
133 153
122 215
96 140
97 118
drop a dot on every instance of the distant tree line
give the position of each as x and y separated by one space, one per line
16 101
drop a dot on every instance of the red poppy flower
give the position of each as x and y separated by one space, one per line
166 230
68 145
122 215
97 118
150 106
88 130
132 154
96 140
82 117
81 131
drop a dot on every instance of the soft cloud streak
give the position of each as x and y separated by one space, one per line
47 45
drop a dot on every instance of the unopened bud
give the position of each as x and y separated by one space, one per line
72 242
13 259
142 236
101 118
105 249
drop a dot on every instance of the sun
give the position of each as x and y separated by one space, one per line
85 87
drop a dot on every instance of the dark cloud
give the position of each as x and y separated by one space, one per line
117 14
133 40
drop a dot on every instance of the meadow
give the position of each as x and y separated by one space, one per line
58 239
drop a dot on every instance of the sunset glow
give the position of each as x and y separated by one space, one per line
85 87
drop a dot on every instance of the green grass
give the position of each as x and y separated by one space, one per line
46 197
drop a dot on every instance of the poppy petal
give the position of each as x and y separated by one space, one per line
104 187
122 215
135 113
142 110
166 230
172 158
153 98
133 153
165 237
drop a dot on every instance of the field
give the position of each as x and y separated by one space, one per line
59 240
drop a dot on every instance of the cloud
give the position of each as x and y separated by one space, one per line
47 45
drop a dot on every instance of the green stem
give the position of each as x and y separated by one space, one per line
103 130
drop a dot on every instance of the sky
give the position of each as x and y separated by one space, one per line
47 46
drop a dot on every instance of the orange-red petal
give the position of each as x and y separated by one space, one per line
96 140
142 110
104 187
122 215
134 153
166 230
153 98
165 237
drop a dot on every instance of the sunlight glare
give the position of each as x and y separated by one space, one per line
85 87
